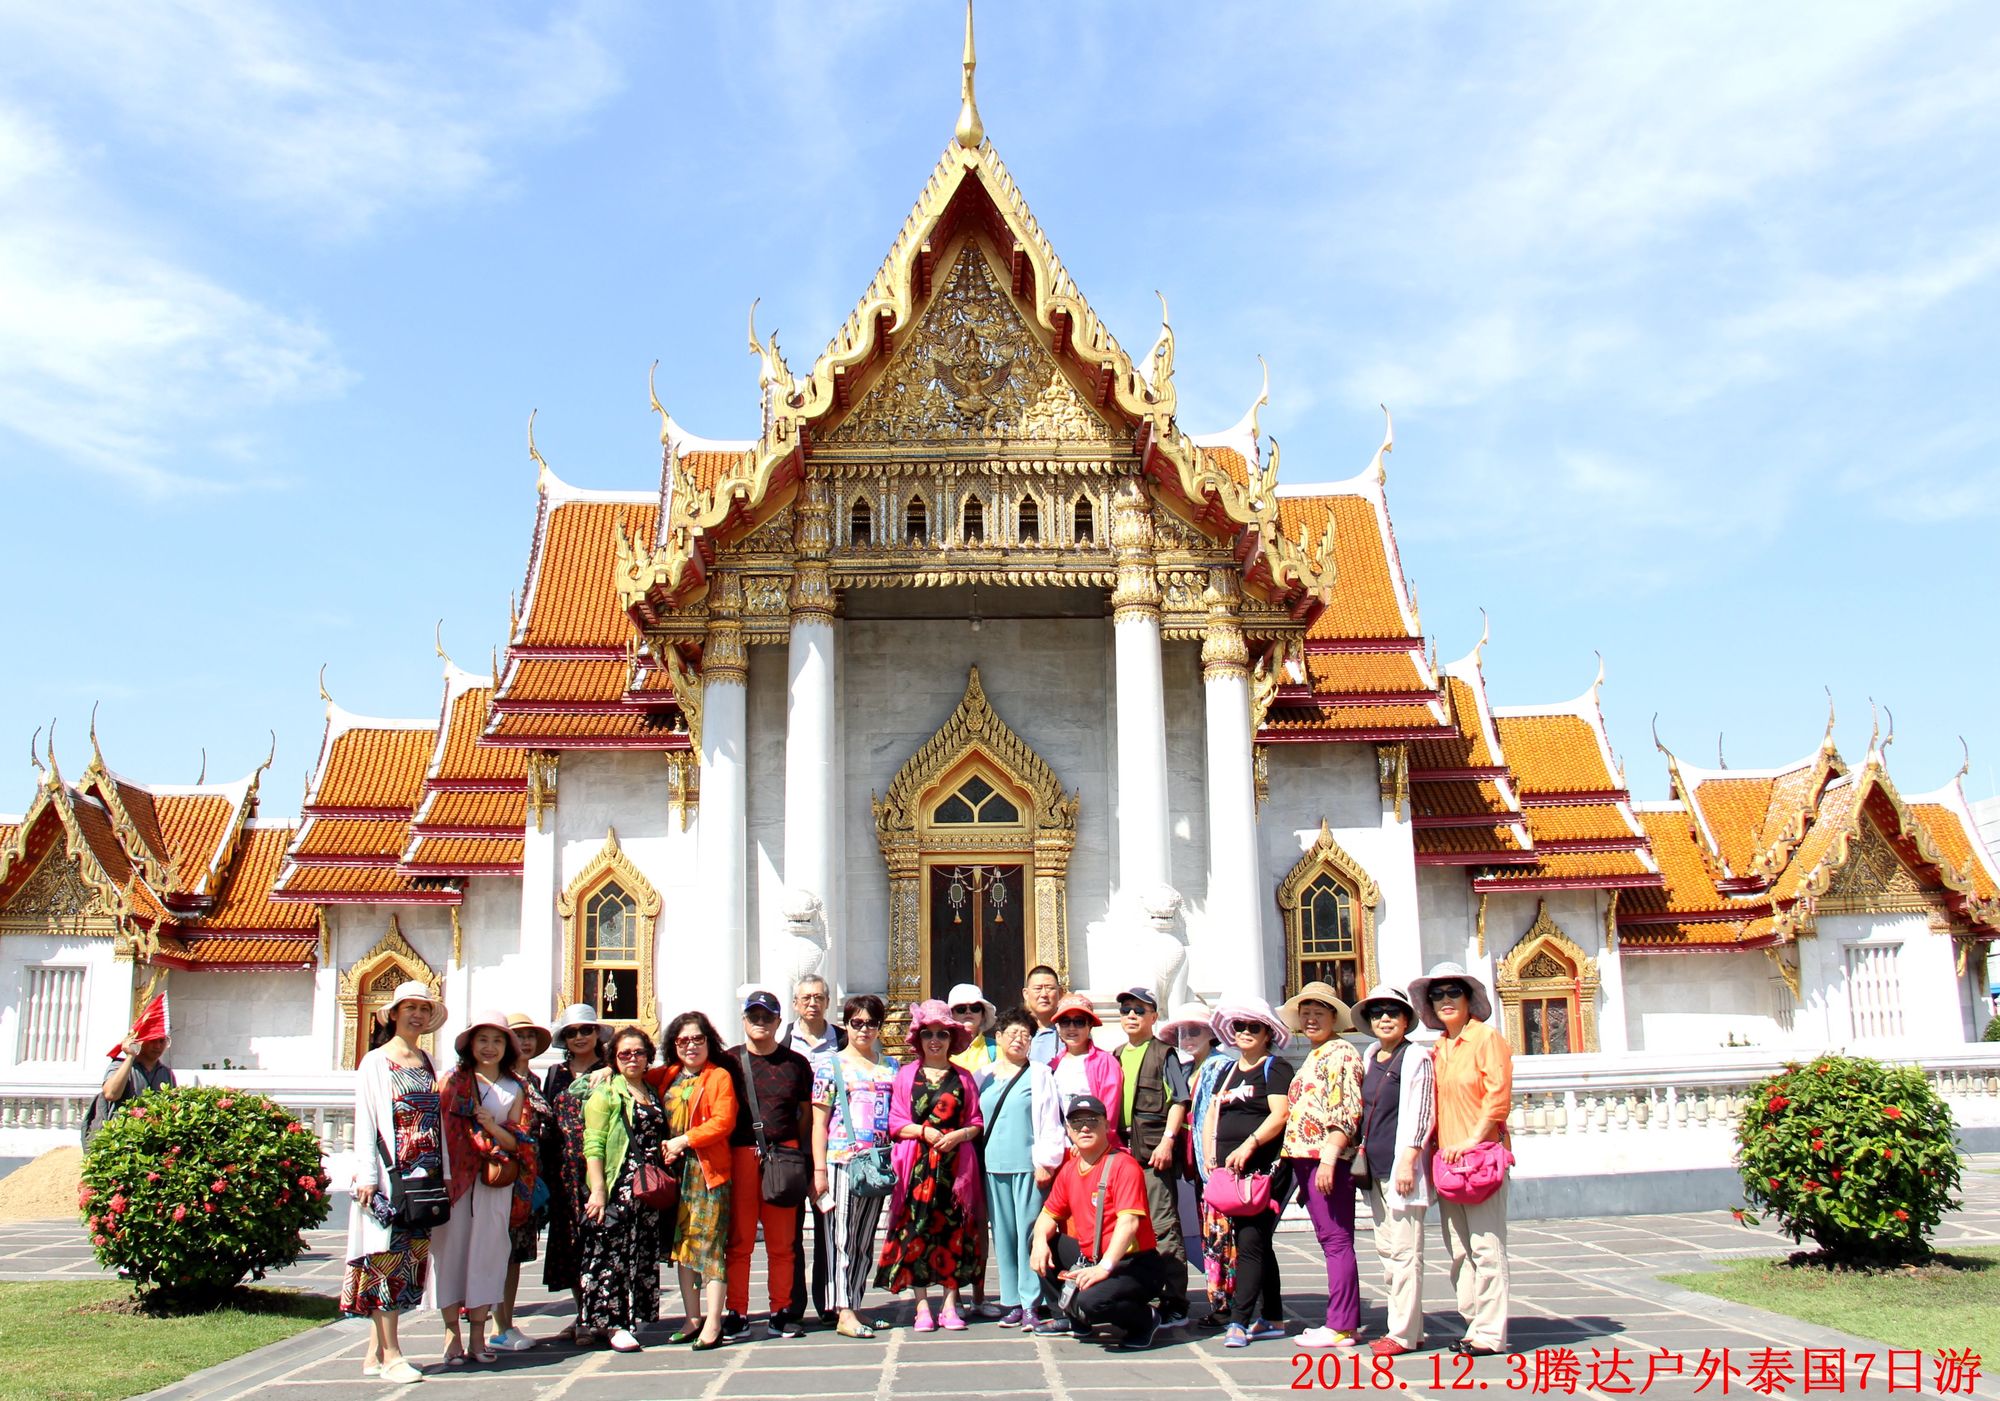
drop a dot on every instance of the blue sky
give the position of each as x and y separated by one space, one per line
1686 314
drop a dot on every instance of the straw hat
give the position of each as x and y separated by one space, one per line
1248 1009
1420 993
931 1012
496 1020
965 994
543 1037
1343 1019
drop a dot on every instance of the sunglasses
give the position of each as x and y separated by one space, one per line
571 1033
969 1009
862 1024
1073 1021
761 1018
634 1054
935 1033
690 1040
1248 1029
1448 992
1376 1014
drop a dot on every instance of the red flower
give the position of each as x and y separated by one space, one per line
118 1204
1836 1174
1901 1215
224 1103
295 1127
84 1194
1776 1184
138 1113
208 1207
308 1182
1777 1103
98 1239
180 1213
1809 1185
1893 1111
219 1186
231 1167
284 1197
152 1177
1888 1153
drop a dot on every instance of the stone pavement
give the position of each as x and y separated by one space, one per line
1586 1285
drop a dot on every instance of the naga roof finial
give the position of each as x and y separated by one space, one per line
1485 636
1874 729
542 473
1598 685
35 758
323 694
1826 741
95 752
202 777
1377 472
437 641
653 397
1964 769
270 756
970 130
1720 762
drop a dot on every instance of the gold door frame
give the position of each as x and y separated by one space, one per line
974 736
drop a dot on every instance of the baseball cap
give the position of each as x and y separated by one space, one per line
761 1000
1145 995
1084 1105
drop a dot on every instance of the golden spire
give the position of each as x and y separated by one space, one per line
971 131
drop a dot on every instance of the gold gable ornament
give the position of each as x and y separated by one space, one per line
611 866
1547 966
370 978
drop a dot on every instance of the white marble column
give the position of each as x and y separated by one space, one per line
1612 1032
812 738
541 884
710 959
1144 822
1229 956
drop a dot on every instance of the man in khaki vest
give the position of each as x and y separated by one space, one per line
1154 1107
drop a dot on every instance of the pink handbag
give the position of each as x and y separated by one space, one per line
1234 1195
1476 1175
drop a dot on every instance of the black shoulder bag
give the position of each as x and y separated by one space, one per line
986 1129
787 1175
418 1205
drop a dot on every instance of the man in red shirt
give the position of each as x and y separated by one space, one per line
1095 1234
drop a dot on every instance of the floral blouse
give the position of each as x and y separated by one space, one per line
1325 1099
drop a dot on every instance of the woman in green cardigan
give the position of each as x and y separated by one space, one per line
624 1124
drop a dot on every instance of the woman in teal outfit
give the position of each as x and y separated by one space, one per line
1024 1147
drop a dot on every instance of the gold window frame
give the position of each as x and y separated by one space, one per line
1326 857
1514 985
611 866
391 950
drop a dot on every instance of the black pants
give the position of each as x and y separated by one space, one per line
1257 1293
1121 1300
820 1227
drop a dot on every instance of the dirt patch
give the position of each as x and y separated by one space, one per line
1940 1266
44 1189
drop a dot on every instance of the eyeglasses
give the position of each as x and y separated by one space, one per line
862 1024
636 1053
969 1009
818 997
1073 1021
1447 992
686 1041
935 1033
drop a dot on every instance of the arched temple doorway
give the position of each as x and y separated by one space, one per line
976 832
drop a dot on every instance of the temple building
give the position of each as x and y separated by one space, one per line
968 656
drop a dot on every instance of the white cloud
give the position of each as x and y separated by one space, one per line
273 104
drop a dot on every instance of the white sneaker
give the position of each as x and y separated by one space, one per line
512 1340
1324 1337
623 1341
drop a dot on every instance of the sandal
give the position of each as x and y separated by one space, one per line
686 1335
860 1330
483 1355
454 1354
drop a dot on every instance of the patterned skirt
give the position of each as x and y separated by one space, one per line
388 1281
701 1226
1218 1256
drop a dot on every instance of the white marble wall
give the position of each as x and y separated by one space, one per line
1697 1001
263 1021
765 716
1928 984
107 998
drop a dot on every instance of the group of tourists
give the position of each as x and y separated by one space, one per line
1013 1134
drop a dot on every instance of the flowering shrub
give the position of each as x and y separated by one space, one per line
188 1191
1854 1153
1992 1032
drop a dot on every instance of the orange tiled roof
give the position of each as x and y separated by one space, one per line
374 768
1735 810
1835 814
351 836
464 759
193 949
466 851
245 902
10 828
138 805
1689 885
197 828
1576 866
346 882
1367 673
572 594
94 823
1705 933
587 682
1464 840
1232 463
1557 753
1458 798
1576 822
1365 602
533 729
1947 832
449 809
706 468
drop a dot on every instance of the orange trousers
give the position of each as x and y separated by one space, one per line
747 1210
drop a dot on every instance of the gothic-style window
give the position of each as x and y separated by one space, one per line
610 954
916 521
976 803
974 521
1548 990
1327 950
1031 521
1084 531
860 525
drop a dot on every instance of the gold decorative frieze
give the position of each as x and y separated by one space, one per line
543 765
723 659
1392 763
1137 593
1224 654
683 784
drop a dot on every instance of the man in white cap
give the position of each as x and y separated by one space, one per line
971 1010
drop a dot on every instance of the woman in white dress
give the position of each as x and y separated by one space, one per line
485 1107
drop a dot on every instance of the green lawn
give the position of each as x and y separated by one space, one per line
1953 1302
57 1349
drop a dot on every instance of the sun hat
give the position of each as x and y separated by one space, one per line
1248 1009
1074 1005
1322 993
521 1021
965 994
1420 993
931 1012
410 990
1383 993
496 1020
580 1014
1185 1016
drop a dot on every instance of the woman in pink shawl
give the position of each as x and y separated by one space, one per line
937 1214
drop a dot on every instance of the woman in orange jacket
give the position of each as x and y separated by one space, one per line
701 1110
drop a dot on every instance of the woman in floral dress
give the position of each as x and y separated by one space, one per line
619 1236
586 1043
937 1226
396 1116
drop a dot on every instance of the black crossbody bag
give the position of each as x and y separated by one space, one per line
787 1176
418 1205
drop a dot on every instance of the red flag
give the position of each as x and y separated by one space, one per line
151 1026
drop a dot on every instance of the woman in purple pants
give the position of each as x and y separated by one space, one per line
1320 1129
